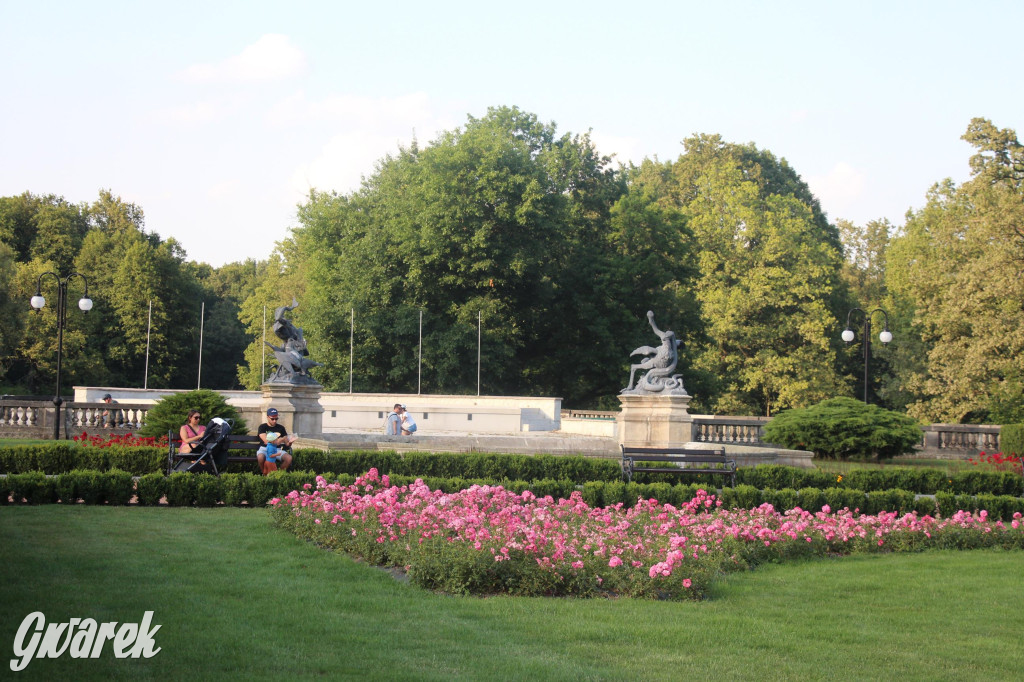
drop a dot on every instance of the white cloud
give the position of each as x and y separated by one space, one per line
624 149
272 57
839 189
359 131
197 113
351 110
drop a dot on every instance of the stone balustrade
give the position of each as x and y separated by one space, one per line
734 430
30 418
34 418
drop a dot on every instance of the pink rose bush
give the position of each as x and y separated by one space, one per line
487 540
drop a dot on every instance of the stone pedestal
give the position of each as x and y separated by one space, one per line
298 408
655 421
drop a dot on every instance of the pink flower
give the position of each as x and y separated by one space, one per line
687 583
615 561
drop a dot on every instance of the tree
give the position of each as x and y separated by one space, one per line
225 337
959 261
169 413
11 309
767 281
502 220
277 282
864 249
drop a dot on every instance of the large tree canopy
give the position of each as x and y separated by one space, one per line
502 220
960 263
768 275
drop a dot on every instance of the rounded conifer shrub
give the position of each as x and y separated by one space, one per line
169 413
845 428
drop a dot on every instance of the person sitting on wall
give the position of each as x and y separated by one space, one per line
275 441
107 417
191 431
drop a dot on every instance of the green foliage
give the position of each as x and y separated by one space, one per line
119 486
812 499
169 413
151 488
505 219
1011 439
33 487
767 275
957 264
63 456
209 490
743 496
844 428
127 269
181 489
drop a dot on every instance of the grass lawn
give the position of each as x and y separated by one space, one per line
239 599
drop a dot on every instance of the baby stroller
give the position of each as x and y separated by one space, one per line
211 450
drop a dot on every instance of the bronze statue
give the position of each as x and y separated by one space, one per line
660 365
293 362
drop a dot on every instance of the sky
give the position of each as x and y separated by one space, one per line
217 118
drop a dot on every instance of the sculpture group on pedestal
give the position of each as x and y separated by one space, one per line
293 362
659 364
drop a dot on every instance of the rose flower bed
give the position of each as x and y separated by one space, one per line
487 540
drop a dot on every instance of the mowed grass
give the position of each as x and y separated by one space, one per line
240 599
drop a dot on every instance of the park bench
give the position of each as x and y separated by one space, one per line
237 442
682 461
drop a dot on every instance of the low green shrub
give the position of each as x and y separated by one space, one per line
119 487
150 489
234 488
845 428
925 505
743 496
209 490
169 413
33 487
1011 439
812 499
67 487
260 489
181 489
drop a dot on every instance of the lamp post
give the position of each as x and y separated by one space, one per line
884 337
84 303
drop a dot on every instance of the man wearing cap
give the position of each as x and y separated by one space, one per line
408 423
108 419
275 438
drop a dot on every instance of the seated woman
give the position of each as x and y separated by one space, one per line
191 431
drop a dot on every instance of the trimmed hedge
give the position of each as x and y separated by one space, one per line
186 490
61 457
64 457
920 481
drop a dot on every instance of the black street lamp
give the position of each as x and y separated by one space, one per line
884 337
85 303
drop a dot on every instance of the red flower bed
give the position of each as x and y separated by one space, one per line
120 440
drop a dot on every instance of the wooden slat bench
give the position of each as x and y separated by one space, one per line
236 442
664 461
